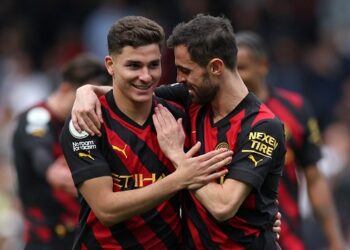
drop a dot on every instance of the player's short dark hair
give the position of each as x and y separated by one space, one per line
134 31
83 69
206 37
252 42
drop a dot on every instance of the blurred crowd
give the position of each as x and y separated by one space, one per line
309 48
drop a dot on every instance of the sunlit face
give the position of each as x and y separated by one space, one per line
251 70
136 72
200 87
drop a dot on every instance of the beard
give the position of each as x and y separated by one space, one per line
206 92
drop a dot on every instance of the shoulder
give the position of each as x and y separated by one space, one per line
292 97
36 121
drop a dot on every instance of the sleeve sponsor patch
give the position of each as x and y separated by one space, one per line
262 144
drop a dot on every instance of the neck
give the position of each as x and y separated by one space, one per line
232 91
136 111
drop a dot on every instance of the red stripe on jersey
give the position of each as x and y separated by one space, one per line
143 234
288 240
264 113
294 98
102 233
136 224
36 213
195 235
287 203
68 201
193 113
240 223
287 118
235 129
217 236
83 247
145 134
43 233
57 150
210 134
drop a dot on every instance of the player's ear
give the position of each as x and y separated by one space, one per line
109 64
215 66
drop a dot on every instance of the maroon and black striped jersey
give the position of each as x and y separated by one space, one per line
256 136
51 215
302 140
131 155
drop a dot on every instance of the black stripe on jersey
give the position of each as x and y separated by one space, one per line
91 242
116 161
138 146
144 154
124 237
171 242
193 215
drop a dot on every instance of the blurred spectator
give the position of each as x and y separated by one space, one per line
303 147
46 188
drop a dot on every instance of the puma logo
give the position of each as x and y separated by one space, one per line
254 161
88 155
121 150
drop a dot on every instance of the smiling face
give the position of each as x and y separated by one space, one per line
136 72
200 86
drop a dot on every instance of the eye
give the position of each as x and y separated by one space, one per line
183 70
133 65
154 65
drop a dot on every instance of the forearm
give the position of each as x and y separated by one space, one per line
100 90
325 212
115 207
223 200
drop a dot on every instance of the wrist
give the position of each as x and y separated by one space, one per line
177 157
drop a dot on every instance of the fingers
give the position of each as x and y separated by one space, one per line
95 124
212 155
98 111
87 121
278 216
195 148
156 123
165 118
75 122
218 163
84 123
216 175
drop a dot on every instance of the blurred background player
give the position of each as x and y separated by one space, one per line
46 188
303 152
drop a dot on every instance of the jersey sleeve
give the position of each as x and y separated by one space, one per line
259 152
310 151
84 154
176 92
